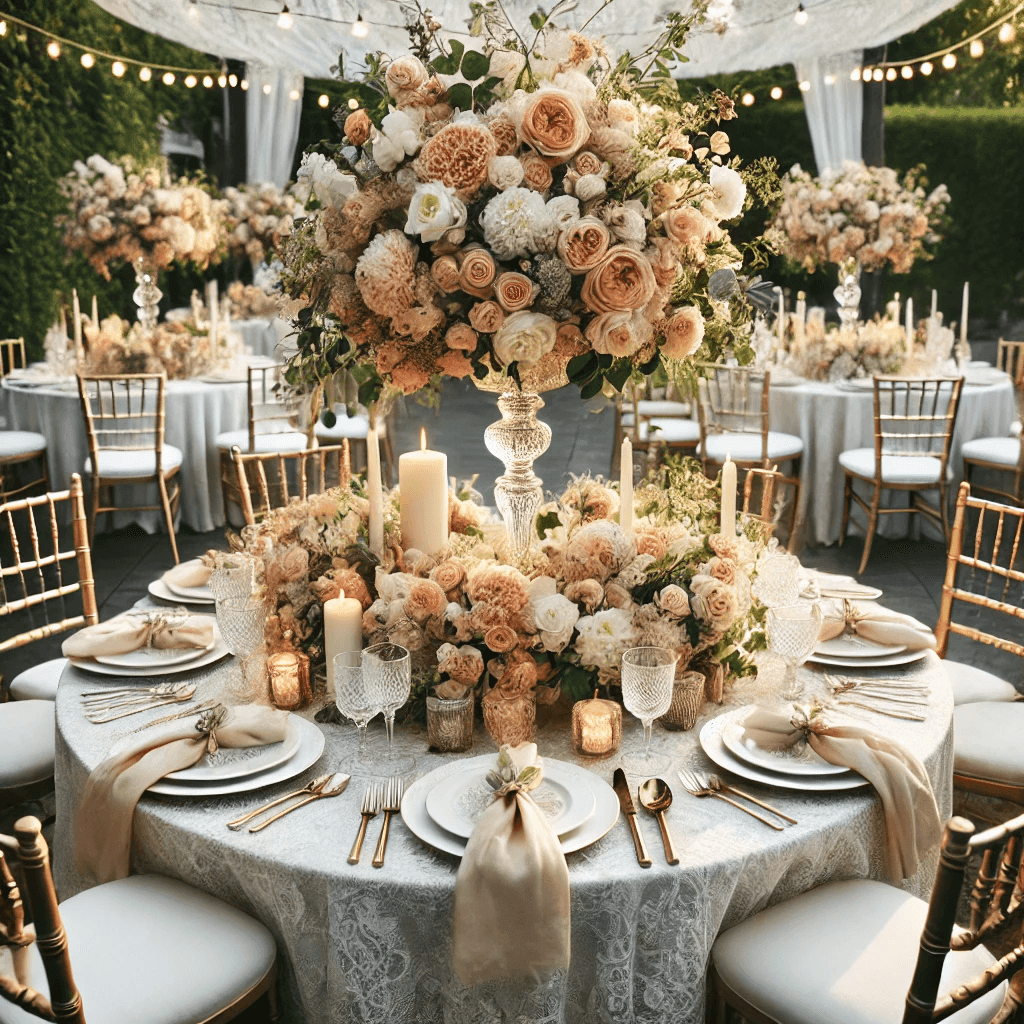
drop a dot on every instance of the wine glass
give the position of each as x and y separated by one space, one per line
355 701
792 633
242 621
648 674
388 671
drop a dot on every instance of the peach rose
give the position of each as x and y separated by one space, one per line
501 639
588 593
405 73
586 162
723 546
358 127
444 272
722 569
672 600
449 575
583 245
476 275
461 337
486 317
554 124
684 333
686 225
425 598
649 542
514 291
619 333
536 173
622 280
718 605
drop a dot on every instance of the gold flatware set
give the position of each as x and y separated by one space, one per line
320 788
102 706
700 784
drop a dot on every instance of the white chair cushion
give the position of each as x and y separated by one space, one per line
129 464
38 682
14 443
26 742
747 447
842 952
1015 428
896 469
973 685
276 442
353 427
658 407
673 429
1003 450
988 741
153 950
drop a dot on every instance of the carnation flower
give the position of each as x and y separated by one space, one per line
619 333
486 317
433 209
463 664
583 244
501 585
506 137
622 280
417 321
397 138
405 74
514 291
504 172
554 124
684 333
385 273
512 220
555 617
525 337
730 191
458 155
604 638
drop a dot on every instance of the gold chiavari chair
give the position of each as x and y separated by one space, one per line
914 421
655 424
988 721
140 949
1010 359
125 420
355 429
772 504
312 472
18 447
12 355
864 951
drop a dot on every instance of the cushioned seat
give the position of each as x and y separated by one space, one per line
1002 450
152 950
38 682
355 428
747 447
138 463
896 469
17 443
283 441
973 685
842 952
1015 428
988 741
26 742
657 407
673 429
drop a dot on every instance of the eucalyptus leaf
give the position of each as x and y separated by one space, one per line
475 65
461 95
592 388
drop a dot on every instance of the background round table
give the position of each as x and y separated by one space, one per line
831 419
196 413
375 945
263 335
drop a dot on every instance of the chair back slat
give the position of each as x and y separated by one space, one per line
915 417
12 355
734 400
271 408
124 412
1010 359
313 470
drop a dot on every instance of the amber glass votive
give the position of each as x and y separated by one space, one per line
289 680
596 727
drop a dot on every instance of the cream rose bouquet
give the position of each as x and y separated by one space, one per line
513 206
258 218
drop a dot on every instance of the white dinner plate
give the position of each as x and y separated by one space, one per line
193 593
847 646
796 760
903 658
833 585
154 657
456 803
237 762
421 825
311 746
162 592
711 741
218 651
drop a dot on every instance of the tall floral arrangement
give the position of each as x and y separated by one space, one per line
520 203
857 213
258 218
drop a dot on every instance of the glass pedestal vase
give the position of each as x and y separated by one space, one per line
147 296
848 295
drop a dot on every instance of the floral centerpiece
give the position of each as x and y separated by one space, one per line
258 218
517 203
118 211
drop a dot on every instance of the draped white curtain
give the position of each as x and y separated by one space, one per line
272 122
834 105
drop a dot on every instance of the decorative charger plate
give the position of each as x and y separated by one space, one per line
237 762
193 593
796 760
903 658
154 657
162 592
565 796
311 746
848 646
421 825
218 651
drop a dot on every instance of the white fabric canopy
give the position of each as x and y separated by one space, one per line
834 106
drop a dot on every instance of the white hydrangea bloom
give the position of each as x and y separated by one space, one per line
512 221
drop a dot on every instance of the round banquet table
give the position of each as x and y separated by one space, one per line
263 335
375 945
831 419
196 413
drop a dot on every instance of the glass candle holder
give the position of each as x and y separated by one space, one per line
596 727
687 700
289 680
450 724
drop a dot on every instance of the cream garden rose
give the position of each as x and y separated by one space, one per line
433 209
525 337
555 618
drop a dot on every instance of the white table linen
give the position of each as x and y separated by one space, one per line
263 335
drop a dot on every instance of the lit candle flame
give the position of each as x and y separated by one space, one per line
423 439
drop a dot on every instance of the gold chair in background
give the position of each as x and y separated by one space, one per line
355 429
914 422
125 420
12 355
1010 359
18 447
772 505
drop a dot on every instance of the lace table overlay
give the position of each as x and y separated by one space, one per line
363 944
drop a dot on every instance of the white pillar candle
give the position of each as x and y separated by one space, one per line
63 321
95 312
801 307
423 485
963 312
375 492
910 323
728 527
76 320
626 486
935 303
343 633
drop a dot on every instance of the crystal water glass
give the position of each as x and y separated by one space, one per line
355 700
387 668
235 580
648 674
241 621
792 633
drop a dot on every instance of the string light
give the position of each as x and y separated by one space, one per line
232 80
190 81
324 99
3 28
1007 33
222 80
977 48
359 28
266 89
805 86
830 79
890 75
168 78
53 49
747 99
353 104
878 74
776 93
207 82
855 75
927 68
117 69
294 94
285 19
801 15
87 59
949 61
907 72
145 74
244 83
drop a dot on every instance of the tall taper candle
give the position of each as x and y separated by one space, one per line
910 323
375 492
626 486
963 311
728 527
343 633
95 312
935 303
76 321
211 302
423 483
782 316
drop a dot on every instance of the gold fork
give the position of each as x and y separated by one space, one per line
373 797
692 785
392 804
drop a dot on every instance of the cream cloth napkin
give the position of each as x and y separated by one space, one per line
104 819
171 628
912 826
873 622
512 890
189 574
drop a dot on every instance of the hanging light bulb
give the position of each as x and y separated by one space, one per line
776 93
830 79
294 94
353 104
145 74
3 29
801 15
244 84
53 49
1007 33
232 80
878 74
285 19
266 89
907 72
890 75
87 60
191 82
805 86
977 48
324 99
927 68
207 82
117 69
359 28
747 99
168 78
192 10
949 61
855 75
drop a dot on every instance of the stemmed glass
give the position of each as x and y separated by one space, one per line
792 633
387 668
355 701
242 621
648 674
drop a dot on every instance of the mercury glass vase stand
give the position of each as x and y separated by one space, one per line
147 296
848 296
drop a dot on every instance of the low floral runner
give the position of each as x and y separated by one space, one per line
873 622
171 629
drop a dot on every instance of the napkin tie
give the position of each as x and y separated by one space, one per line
166 629
912 826
873 622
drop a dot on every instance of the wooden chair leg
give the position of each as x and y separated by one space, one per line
876 501
847 501
943 512
169 515
94 505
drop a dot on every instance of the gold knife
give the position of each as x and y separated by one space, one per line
621 787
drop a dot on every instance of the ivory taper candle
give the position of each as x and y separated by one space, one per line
910 323
728 527
375 492
935 303
76 320
423 484
626 486
782 317
343 633
963 312
95 312
211 302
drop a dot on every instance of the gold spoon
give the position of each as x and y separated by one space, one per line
656 797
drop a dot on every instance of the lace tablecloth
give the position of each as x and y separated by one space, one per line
366 944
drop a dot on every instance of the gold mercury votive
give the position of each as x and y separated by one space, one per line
596 727
289 679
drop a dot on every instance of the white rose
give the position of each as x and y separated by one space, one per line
730 192
433 209
397 138
565 210
577 85
555 618
604 637
506 65
525 337
622 116
331 186
504 172
672 600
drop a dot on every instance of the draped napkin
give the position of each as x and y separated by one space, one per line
162 628
912 826
188 574
512 890
104 818
873 622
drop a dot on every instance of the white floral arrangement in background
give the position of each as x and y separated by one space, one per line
259 217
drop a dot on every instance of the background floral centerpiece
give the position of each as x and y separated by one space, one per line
258 218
